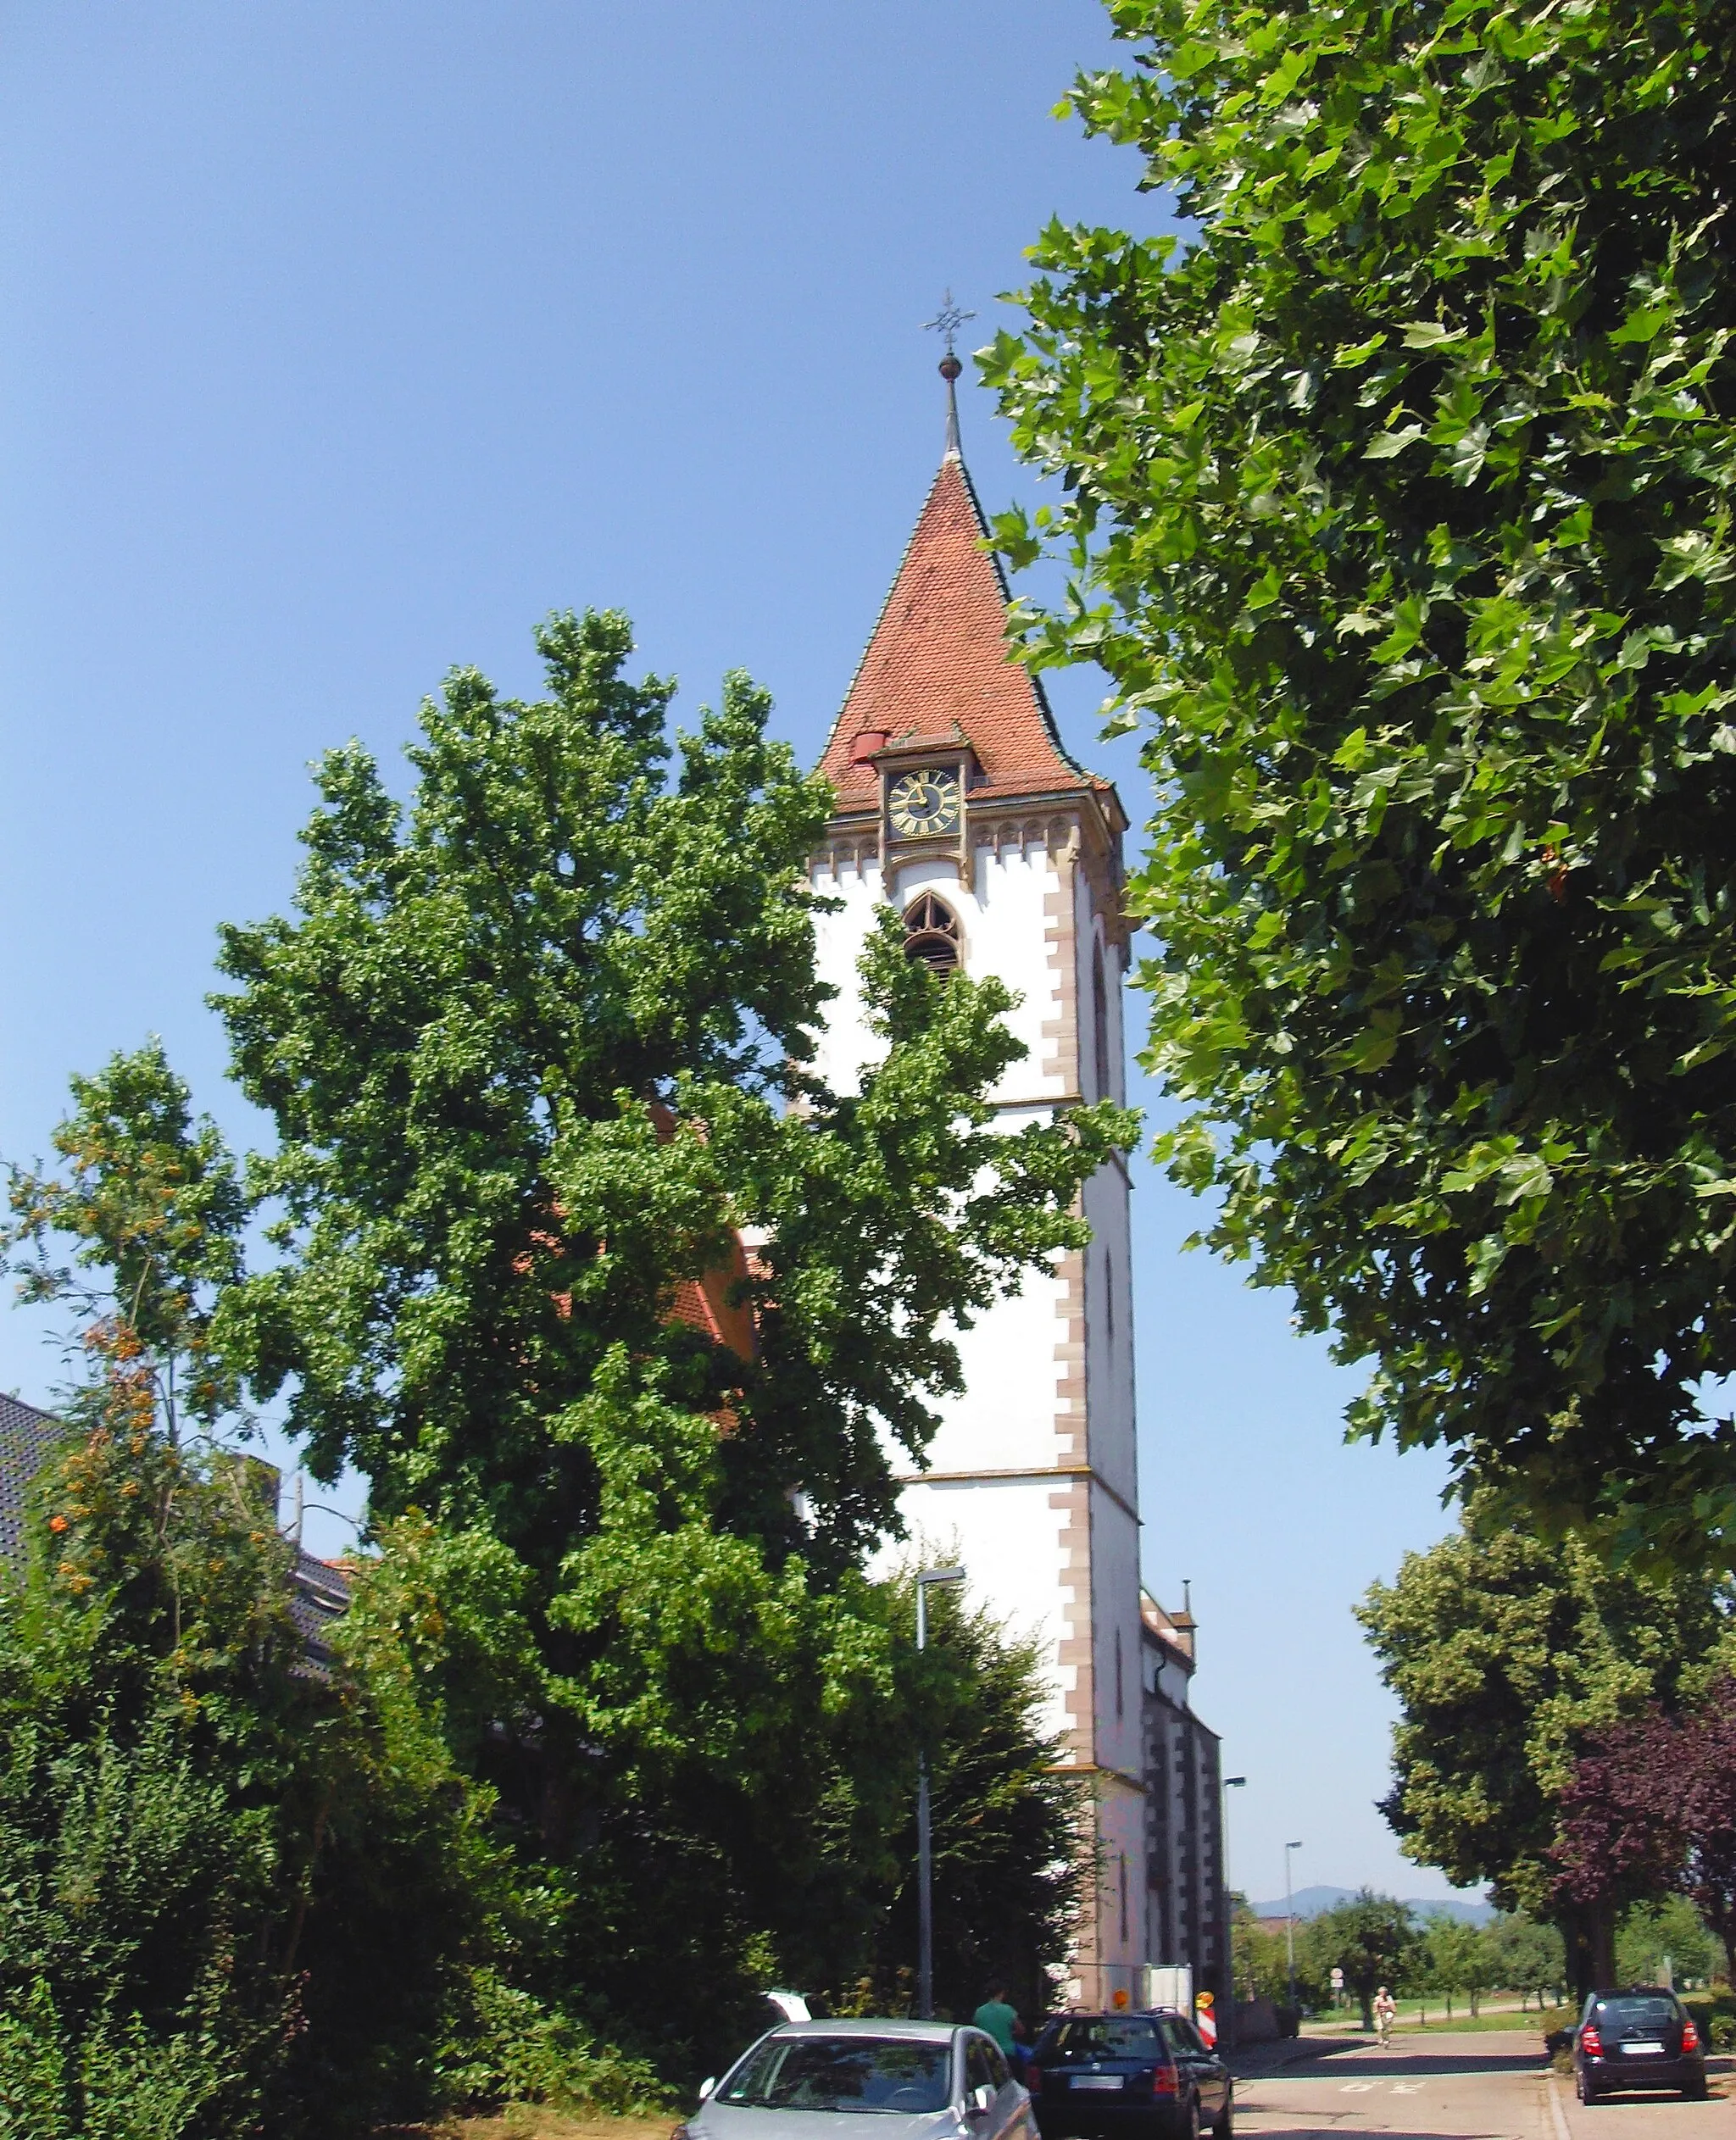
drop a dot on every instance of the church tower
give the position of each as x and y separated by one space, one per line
958 805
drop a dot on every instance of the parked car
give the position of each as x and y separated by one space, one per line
935 2080
1093 2075
1639 2039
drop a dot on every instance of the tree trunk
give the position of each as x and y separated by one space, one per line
1367 1999
1589 1933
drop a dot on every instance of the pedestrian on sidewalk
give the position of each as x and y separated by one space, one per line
1386 2012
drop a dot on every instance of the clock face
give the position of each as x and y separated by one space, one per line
924 802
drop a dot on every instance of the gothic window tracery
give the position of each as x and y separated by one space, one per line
932 934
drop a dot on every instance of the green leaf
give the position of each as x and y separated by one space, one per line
1644 325
1347 355
1386 446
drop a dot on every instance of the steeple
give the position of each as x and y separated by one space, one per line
947 322
938 665
950 370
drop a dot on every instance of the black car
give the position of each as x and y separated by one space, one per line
1109 2074
1639 2039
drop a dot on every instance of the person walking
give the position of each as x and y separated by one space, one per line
1386 2012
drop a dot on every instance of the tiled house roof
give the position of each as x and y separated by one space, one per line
938 663
321 1595
27 1437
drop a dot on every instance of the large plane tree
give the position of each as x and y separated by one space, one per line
581 1262
1398 492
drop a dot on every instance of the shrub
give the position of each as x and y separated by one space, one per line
511 2047
237 1894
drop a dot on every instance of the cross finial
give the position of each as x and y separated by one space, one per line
946 323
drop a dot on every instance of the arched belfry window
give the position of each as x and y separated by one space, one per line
932 934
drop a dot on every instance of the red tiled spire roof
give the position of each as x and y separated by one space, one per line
938 665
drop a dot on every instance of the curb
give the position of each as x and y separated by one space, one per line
1558 2116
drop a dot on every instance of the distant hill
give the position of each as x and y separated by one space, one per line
1310 1902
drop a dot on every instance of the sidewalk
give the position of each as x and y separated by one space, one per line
1257 2060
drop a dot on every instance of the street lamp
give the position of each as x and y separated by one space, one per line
925 1854
1289 1922
1230 1783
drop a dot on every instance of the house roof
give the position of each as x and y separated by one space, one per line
320 1589
1172 1631
938 668
320 1594
27 1437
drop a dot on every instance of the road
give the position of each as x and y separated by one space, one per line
1490 2086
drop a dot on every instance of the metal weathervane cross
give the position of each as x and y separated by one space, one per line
948 321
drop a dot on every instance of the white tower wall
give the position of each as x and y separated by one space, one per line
1031 1479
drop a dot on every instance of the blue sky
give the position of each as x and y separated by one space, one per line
339 343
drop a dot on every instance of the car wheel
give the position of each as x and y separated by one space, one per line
1583 2089
1224 2123
1695 2091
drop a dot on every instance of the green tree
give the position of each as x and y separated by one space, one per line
1506 1655
1008 1822
1529 1957
1262 1963
149 1203
136 1878
536 1048
1649 1932
237 1893
1373 1939
1455 1958
1398 497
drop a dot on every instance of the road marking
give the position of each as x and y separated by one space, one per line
1428 2074
1357 2087
1407 2087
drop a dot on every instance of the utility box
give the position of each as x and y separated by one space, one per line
1170 1984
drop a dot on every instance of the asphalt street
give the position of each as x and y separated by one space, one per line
1491 2087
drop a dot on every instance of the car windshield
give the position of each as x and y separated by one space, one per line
1108 2037
843 2073
1653 2009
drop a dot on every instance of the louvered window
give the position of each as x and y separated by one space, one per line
932 934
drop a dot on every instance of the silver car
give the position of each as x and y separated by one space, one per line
916 2080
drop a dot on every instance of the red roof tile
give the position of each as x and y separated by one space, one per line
939 656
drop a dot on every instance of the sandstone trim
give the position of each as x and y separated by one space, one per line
1072 1504
1061 911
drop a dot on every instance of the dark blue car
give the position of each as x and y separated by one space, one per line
1093 2076
1640 2038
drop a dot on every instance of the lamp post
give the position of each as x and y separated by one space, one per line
925 1854
1230 1783
1290 1923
